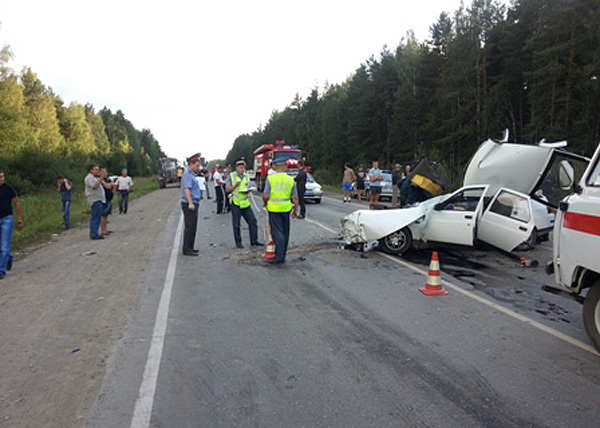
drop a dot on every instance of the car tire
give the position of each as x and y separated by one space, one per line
396 243
317 201
591 313
533 238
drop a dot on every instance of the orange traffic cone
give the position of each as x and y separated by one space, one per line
434 281
270 252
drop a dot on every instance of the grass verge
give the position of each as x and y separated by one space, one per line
332 189
42 212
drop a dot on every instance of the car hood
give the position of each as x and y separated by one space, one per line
514 166
371 225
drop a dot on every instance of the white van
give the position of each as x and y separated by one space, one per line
576 261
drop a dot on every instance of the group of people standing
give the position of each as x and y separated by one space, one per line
280 197
400 184
99 191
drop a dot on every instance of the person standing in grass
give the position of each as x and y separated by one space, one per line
65 188
8 198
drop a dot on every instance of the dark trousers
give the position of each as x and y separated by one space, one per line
221 196
190 222
302 204
280 232
66 212
123 201
236 215
227 203
97 208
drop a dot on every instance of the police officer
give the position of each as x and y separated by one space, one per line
238 184
281 197
190 200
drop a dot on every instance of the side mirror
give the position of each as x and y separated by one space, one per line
438 207
566 175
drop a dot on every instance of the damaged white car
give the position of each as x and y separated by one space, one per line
505 221
500 213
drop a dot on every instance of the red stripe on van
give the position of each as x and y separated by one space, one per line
582 222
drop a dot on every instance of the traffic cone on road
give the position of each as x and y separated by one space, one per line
434 281
270 252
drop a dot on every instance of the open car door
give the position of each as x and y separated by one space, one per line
507 221
454 220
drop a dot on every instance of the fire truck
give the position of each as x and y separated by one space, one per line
264 155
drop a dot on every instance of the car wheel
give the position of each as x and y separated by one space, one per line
397 242
533 238
318 201
591 313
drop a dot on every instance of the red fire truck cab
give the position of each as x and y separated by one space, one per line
264 155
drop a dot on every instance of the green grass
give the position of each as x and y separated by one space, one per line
43 217
333 189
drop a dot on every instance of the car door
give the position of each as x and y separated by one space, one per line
454 220
507 221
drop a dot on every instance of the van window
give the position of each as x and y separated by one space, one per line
594 178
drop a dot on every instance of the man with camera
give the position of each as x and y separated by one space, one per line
65 188
94 192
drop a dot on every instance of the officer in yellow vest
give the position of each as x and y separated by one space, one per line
281 197
238 184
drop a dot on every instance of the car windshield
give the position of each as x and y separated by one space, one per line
288 155
310 178
169 164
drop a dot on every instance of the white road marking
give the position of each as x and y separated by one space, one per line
486 302
321 225
500 308
143 405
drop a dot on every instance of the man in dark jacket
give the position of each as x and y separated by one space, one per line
301 187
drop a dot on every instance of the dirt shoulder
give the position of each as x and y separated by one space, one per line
64 306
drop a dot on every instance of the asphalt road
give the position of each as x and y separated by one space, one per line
337 338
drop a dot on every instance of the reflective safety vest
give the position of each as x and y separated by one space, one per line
240 196
281 193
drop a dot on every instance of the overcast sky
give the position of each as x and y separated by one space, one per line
198 74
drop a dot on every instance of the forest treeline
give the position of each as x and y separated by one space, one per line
41 137
532 67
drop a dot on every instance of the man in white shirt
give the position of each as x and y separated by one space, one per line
220 189
124 186
202 183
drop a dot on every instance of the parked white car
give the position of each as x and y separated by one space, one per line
505 221
314 191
